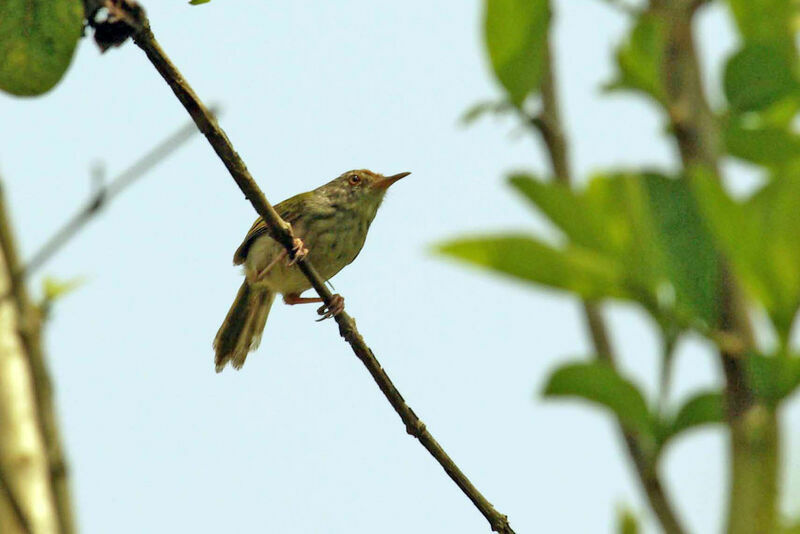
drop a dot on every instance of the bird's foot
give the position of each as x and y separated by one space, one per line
299 251
336 307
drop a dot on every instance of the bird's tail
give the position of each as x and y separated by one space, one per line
241 330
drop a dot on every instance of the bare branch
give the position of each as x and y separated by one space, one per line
133 15
549 125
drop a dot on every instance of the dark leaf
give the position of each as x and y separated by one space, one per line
773 377
37 42
758 76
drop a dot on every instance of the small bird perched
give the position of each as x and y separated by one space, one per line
332 221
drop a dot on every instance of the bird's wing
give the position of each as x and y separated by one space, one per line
289 210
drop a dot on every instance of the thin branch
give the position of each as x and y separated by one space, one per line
135 17
549 125
11 499
30 338
754 426
103 194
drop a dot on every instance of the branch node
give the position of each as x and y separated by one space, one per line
416 428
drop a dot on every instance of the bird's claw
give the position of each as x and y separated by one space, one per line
336 307
299 251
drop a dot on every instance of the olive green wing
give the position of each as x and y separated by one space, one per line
289 210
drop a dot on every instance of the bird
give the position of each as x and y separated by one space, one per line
330 225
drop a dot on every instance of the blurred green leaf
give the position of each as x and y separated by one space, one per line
37 41
788 526
647 223
522 257
639 59
582 218
758 76
485 107
761 238
690 256
703 408
54 288
766 21
769 146
597 382
516 38
627 523
198 2
773 377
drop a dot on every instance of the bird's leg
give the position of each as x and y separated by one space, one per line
293 298
263 272
336 307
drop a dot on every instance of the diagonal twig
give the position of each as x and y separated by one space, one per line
104 194
135 17
549 125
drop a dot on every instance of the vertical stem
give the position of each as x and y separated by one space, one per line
754 442
29 448
550 125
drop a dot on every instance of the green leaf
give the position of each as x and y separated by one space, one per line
485 107
758 76
54 288
639 59
516 38
599 383
198 2
766 21
761 239
769 146
524 258
647 223
774 377
704 408
788 526
690 256
37 41
627 523
583 219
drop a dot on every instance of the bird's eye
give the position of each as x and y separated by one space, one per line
354 179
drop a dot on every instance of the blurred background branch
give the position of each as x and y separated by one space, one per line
38 401
31 455
548 123
103 194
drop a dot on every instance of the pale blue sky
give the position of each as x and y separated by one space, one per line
301 440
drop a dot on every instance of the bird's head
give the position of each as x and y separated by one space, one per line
360 189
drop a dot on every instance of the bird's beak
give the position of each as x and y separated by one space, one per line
385 182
